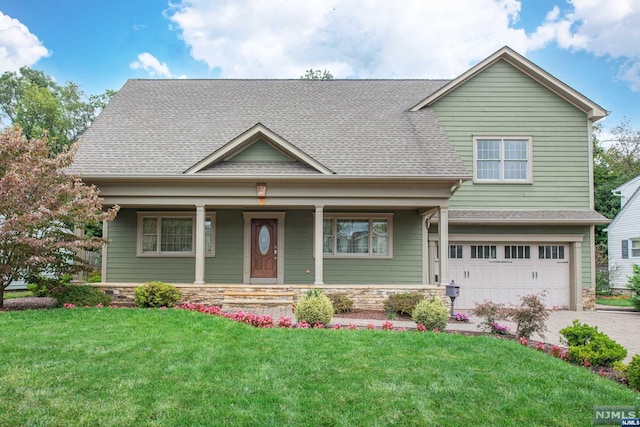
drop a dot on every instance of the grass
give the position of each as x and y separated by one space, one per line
176 367
17 294
615 301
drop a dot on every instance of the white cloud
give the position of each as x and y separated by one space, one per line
150 64
18 46
366 39
605 28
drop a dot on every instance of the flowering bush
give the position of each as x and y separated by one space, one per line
371 326
387 326
284 322
461 317
68 305
496 328
420 328
352 327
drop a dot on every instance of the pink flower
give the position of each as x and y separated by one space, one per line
68 305
371 326
421 328
523 341
352 326
337 326
387 326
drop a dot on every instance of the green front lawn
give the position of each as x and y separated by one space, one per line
17 294
615 301
136 367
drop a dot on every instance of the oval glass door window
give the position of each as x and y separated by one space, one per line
264 240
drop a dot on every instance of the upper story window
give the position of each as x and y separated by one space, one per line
172 234
498 159
635 247
347 235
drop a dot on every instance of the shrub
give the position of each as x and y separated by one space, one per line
80 296
590 347
531 316
94 277
578 334
633 372
402 303
490 313
341 303
44 286
314 307
432 314
634 283
157 294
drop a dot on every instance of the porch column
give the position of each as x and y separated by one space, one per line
575 292
425 250
199 280
317 246
443 237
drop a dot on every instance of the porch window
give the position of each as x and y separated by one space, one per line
498 159
357 236
172 234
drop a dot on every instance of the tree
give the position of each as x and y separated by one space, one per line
41 107
614 164
40 207
312 74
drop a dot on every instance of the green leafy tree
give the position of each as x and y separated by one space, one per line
615 161
41 206
42 107
312 74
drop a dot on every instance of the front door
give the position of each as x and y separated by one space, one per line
264 248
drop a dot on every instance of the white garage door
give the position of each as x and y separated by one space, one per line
504 272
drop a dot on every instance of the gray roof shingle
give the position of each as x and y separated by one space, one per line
353 127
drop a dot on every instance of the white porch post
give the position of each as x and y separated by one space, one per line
443 237
425 251
317 246
105 250
575 293
199 279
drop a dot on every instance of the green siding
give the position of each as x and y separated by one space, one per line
502 101
260 150
404 268
125 266
227 265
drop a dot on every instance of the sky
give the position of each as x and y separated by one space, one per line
591 45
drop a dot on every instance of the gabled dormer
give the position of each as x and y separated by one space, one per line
258 150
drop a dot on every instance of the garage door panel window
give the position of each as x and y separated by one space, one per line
517 252
484 252
455 251
551 252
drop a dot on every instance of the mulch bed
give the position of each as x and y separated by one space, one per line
28 303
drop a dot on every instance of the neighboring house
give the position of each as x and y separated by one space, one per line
623 235
353 186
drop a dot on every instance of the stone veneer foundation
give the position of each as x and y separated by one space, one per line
364 297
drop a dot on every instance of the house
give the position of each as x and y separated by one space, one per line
366 187
623 235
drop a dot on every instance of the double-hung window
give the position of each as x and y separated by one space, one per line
499 160
635 247
346 235
172 234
